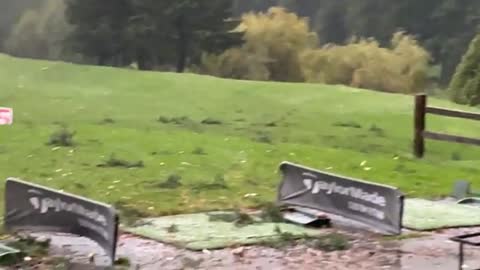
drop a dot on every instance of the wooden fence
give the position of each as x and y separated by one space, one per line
421 110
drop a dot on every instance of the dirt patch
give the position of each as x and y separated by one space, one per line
364 252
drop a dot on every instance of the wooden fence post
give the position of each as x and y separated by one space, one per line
420 111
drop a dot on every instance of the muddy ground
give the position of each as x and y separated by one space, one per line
432 251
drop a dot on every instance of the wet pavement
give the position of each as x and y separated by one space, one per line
434 251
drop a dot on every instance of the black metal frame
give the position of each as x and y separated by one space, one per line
463 240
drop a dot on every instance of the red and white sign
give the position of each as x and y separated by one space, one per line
6 116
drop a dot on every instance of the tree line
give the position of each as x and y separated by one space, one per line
188 34
119 32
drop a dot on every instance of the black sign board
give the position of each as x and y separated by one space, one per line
35 208
376 205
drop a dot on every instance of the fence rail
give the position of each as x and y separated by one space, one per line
421 110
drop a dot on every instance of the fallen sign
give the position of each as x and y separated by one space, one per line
35 208
6 116
372 204
462 189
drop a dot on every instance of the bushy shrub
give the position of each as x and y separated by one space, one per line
236 63
40 33
273 43
403 67
280 46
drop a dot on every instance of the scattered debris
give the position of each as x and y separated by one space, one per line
271 124
224 217
379 132
107 121
129 214
24 249
174 120
238 217
271 213
404 236
62 138
189 263
91 258
218 183
9 256
173 181
122 261
172 228
330 242
307 217
243 219
184 121
283 239
240 252
211 121
199 151
349 124
114 162
264 138
456 156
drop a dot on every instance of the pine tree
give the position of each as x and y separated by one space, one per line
465 85
98 28
200 25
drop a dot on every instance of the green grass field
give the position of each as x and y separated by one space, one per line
253 127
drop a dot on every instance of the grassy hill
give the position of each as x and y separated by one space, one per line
250 128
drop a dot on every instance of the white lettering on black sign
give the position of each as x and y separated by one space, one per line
379 206
366 210
317 186
46 204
